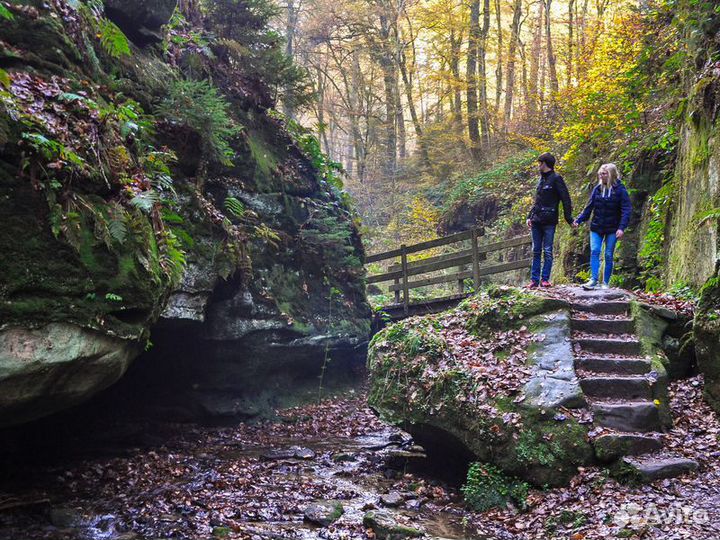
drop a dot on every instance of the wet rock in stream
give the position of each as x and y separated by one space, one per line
392 499
386 527
324 513
294 452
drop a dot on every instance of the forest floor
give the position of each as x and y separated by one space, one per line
254 481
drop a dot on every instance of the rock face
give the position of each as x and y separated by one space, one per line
707 340
141 20
585 380
238 310
453 396
56 366
553 383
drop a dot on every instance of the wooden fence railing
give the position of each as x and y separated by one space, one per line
401 270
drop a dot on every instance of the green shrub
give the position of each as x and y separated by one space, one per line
198 106
582 275
245 31
488 487
654 285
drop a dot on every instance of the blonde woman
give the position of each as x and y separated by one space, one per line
610 208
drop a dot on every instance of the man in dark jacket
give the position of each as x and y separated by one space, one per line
543 218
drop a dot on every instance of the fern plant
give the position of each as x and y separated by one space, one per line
145 200
266 234
198 106
52 150
235 207
4 79
112 39
5 13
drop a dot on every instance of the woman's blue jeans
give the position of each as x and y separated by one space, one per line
542 241
596 240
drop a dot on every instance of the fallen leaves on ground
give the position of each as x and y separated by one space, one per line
204 479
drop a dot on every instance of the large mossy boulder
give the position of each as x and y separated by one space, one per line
56 366
472 381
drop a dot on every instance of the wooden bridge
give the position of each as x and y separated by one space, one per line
471 264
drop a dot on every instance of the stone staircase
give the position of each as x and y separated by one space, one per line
621 387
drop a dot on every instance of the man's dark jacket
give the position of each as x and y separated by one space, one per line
551 191
610 207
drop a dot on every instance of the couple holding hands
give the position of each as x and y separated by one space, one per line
609 207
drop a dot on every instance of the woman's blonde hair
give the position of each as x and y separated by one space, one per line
613 174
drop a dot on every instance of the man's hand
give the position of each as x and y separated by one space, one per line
575 224
619 234
528 223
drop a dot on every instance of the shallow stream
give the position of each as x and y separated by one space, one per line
244 481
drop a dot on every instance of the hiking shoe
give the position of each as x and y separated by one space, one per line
532 285
545 283
604 286
590 285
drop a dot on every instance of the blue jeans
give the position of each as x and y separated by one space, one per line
542 241
596 240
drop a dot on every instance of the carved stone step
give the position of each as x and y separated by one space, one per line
628 387
627 347
609 307
627 415
621 366
603 326
614 445
649 467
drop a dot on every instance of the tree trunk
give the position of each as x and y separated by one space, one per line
387 65
512 51
533 90
570 42
499 68
454 64
399 120
551 64
482 65
471 72
582 41
290 31
407 83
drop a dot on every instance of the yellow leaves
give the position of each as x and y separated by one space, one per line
417 223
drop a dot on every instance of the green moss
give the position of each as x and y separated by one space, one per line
338 511
625 473
264 159
546 450
488 487
567 518
652 246
504 308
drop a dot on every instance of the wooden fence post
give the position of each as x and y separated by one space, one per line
406 291
475 259
397 291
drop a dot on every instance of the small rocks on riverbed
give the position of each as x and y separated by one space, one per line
386 527
324 513
392 499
